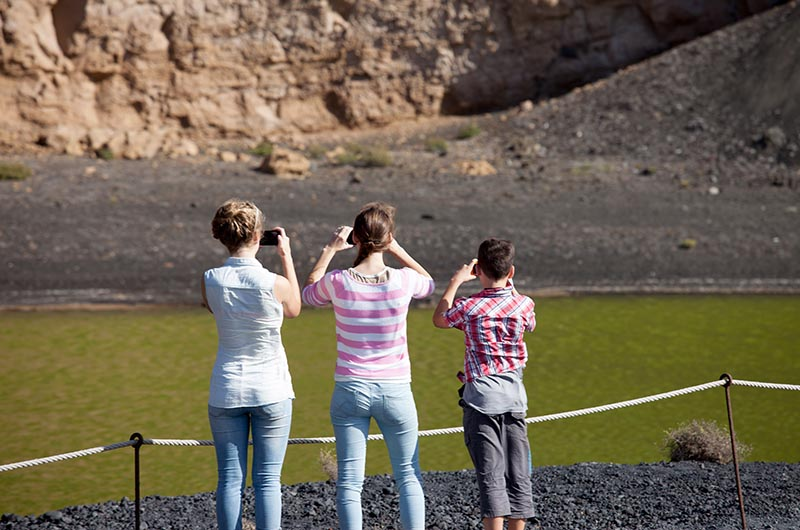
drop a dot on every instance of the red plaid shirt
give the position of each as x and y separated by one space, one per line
494 322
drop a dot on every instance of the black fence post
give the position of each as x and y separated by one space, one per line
138 498
728 379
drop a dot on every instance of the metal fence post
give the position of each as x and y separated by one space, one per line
138 499
728 379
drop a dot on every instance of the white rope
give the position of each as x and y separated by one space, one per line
323 440
184 443
432 432
536 419
66 456
622 404
758 384
328 439
292 441
446 430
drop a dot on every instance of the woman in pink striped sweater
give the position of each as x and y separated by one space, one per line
373 372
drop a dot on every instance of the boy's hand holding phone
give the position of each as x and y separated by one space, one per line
465 273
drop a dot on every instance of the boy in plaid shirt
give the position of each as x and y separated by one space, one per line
494 398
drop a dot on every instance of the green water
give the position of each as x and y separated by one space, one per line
74 380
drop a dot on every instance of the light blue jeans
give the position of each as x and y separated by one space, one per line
230 429
392 405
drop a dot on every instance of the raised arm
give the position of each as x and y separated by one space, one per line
464 274
405 258
287 287
338 242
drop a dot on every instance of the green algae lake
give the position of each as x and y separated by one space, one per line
73 380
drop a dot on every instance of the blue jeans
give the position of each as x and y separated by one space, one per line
392 405
230 429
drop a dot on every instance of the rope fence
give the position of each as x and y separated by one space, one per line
137 440
66 456
771 386
432 432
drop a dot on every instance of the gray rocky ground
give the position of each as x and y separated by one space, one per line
683 496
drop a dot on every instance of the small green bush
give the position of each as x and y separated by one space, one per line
702 441
436 145
687 244
582 170
11 171
470 131
105 153
316 151
364 156
263 149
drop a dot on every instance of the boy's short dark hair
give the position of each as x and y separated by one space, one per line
495 257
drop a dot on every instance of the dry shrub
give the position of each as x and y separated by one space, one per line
327 459
468 131
436 145
702 441
105 153
263 149
11 171
316 151
364 156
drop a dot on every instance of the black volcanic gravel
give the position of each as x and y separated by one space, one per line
662 496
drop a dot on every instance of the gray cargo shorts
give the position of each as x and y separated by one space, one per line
498 446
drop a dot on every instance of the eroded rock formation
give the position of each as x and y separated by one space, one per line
148 77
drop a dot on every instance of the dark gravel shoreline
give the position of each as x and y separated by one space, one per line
659 496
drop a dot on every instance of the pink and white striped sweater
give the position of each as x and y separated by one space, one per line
370 322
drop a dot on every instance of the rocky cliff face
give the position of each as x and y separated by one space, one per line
148 77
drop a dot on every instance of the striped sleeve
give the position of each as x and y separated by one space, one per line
420 286
320 292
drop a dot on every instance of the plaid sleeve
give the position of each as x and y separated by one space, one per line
319 293
455 316
530 311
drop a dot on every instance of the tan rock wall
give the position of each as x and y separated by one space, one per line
142 76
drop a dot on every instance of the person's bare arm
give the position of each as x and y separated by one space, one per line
405 258
338 242
464 274
287 287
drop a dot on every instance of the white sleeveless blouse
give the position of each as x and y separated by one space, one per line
251 367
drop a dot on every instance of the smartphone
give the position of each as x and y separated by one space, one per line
350 238
269 238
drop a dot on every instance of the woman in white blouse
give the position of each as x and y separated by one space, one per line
251 387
